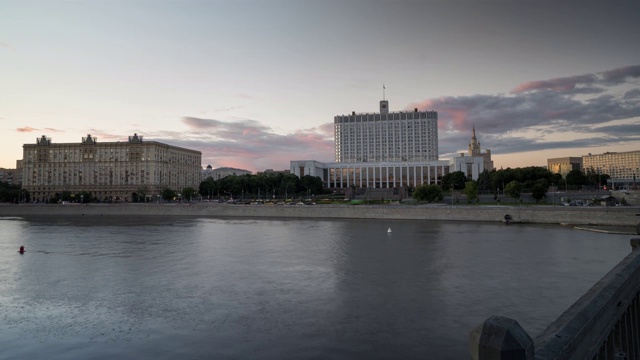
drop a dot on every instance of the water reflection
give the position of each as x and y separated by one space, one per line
109 287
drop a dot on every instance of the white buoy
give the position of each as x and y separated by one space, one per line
389 230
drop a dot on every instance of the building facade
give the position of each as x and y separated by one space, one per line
9 176
110 171
386 136
386 150
476 151
222 172
386 174
564 165
623 166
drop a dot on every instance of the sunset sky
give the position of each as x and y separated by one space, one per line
254 84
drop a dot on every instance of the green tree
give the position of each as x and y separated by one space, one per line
575 178
471 191
455 180
168 194
66 196
311 184
188 193
208 188
538 192
141 194
513 190
84 197
484 181
429 193
9 192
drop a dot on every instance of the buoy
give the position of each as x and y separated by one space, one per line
389 230
21 251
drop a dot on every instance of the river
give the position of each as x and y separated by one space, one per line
105 287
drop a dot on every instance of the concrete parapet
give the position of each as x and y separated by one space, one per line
500 338
586 325
600 323
618 216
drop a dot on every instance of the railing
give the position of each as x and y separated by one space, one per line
603 324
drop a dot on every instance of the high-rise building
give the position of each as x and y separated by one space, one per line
618 165
386 150
110 171
475 151
386 136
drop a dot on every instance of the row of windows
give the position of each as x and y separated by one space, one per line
421 115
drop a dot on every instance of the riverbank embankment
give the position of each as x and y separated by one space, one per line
608 216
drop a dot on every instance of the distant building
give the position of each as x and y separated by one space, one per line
222 172
272 172
386 137
475 151
110 171
564 165
386 150
622 167
618 165
19 170
9 176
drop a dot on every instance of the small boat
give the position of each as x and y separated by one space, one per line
389 230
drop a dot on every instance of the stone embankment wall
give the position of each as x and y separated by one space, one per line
613 216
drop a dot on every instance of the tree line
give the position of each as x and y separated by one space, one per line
513 182
262 186
12 193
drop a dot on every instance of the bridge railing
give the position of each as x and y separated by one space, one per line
603 324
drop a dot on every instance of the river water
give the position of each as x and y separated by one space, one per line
175 288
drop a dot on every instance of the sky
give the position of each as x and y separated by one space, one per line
255 84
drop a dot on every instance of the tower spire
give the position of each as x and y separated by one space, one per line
383 90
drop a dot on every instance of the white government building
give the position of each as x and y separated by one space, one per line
386 150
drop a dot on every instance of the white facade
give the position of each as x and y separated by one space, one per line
385 136
109 170
387 150
386 174
222 172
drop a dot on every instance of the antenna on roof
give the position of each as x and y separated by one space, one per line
383 88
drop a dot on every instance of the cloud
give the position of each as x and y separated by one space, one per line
250 144
596 110
26 129
589 110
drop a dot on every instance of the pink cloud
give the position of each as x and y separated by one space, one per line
26 129
449 108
